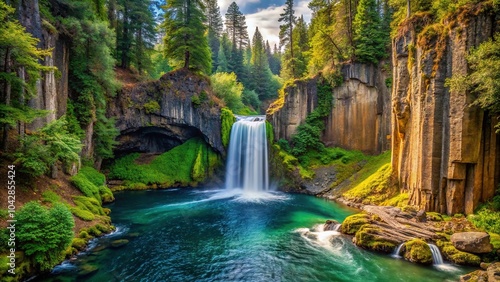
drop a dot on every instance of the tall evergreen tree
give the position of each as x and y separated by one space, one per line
259 65
301 47
185 40
214 25
368 35
238 35
286 39
275 61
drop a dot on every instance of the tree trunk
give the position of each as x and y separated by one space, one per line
291 45
408 8
186 59
7 91
21 125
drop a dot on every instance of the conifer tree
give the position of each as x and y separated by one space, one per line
259 66
368 36
301 47
185 40
286 39
238 35
214 25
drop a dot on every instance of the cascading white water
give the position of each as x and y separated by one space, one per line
436 254
397 252
247 164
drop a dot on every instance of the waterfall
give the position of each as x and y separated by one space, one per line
397 251
247 165
436 255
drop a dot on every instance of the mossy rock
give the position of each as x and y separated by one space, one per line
434 216
368 237
119 243
418 251
353 223
78 243
456 256
87 270
475 276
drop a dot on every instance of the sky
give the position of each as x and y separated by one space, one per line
265 14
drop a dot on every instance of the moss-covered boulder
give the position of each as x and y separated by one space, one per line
418 251
456 256
353 223
87 270
371 237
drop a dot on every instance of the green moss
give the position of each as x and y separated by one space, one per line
269 133
51 197
185 165
353 223
457 256
84 235
89 204
78 243
151 107
82 214
227 119
94 231
367 237
434 216
418 251
495 240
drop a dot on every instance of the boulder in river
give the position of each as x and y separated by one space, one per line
119 243
417 250
472 242
330 225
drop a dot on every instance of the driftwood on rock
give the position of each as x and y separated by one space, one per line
398 226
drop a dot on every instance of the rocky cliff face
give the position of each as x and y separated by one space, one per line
445 152
159 115
360 117
52 90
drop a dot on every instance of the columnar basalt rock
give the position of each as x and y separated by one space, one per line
51 91
360 117
444 149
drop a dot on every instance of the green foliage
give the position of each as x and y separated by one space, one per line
307 136
375 188
370 44
43 234
92 184
44 148
159 63
51 197
227 119
288 19
185 41
250 98
226 87
78 243
90 204
486 219
184 165
484 79
151 107
82 214
269 133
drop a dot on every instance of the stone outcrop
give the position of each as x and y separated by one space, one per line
360 117
159 115
445 151
52 90
472 242
490 274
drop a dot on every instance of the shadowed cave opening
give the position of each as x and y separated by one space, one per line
154 139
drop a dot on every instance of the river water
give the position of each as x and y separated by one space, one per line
221 235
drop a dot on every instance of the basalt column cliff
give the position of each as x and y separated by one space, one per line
445 151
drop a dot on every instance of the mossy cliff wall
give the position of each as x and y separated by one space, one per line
360 117
445 152
159 115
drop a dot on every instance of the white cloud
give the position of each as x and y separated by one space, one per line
267 21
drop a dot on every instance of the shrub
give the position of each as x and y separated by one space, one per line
44 234
227 119
82 214
51 197
90 204
78 243
151 107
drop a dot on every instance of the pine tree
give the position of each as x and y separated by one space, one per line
185 39
301 47
238 35
214 25
286 39
259 66
368 36
222 60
